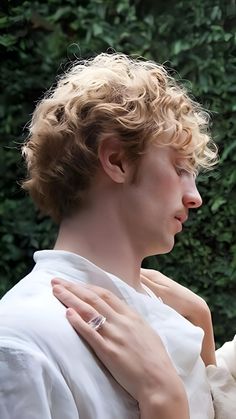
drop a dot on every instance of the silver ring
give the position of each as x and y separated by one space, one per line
97 322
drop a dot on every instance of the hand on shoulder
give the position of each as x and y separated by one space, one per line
182 299
190 305
125 344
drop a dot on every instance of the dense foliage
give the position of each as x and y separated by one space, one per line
39 38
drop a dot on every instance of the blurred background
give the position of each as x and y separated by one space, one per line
39 39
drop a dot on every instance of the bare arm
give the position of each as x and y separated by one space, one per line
188 304
125 346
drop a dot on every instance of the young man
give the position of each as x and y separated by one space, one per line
112 156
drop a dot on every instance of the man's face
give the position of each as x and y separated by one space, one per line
158 202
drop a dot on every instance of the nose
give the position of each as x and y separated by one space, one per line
191 196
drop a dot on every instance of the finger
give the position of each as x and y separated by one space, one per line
86 311
92 337
148 274
156 278
89 309
152 283
111 299
98 297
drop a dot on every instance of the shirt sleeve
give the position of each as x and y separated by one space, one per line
30 388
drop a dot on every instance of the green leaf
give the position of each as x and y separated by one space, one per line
7 40
217 204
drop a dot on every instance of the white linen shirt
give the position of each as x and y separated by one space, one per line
222 379
48 372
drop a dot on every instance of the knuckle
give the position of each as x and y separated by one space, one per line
91 298
107 296
134 316
104 294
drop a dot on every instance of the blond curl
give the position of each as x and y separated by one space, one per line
110 94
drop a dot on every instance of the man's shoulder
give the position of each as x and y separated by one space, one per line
28 288
30 312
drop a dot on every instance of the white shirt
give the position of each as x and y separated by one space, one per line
48 372
226 357
222 379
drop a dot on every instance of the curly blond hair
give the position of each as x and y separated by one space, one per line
133 99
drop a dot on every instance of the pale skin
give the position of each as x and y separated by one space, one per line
142 218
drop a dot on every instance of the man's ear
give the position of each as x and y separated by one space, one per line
113 160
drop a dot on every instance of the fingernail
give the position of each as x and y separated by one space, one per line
55 281
69 312
57 288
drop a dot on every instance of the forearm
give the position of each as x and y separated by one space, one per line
202 318
208 350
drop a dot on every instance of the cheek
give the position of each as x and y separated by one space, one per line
168 187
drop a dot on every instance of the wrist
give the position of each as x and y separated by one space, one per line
163 397
165 405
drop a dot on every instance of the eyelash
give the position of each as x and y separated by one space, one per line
181 171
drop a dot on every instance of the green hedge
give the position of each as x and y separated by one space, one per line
197 40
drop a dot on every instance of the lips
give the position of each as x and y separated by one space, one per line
182 218
179 224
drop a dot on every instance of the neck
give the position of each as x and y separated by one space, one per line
100 237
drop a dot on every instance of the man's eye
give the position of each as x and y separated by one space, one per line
181 171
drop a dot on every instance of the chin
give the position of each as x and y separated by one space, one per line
162 250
